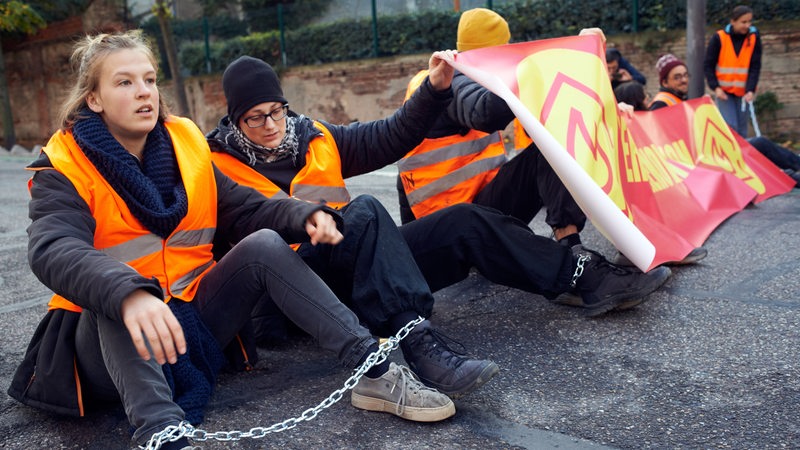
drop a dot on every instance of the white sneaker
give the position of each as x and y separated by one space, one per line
400 393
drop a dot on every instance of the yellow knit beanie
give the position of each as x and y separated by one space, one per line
480 28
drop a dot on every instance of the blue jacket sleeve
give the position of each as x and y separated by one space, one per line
625 64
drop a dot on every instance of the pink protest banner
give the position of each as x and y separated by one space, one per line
691 172
656 185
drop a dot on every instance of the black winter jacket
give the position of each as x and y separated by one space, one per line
363 146
473 108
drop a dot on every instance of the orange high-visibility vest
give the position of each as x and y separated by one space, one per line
320 180
178 262
667 97
445 171
732 68
521 138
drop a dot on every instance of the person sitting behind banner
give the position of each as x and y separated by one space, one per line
620 70
475 118
674 79
632 94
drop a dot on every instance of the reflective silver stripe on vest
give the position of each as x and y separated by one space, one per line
180 284
313 193
724 83
734 70
474 146
454 178
135 248
279 195
150 243
191 238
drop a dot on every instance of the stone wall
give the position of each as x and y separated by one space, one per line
371 89
338 93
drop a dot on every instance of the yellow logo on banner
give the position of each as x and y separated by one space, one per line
717 147
564 89
665 165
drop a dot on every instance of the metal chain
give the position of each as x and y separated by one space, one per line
579 269
174 432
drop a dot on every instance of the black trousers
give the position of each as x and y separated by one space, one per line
526 184
260 270
372 271
449 242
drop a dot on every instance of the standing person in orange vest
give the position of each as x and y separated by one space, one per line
125 203
732 66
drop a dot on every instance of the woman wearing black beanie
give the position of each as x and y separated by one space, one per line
263 144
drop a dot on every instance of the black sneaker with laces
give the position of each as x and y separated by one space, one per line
604 286
440 367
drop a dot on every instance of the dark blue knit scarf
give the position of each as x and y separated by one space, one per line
154 191
193 376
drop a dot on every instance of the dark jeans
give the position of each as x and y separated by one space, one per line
779 155
731 110
372 271
261 269
526 184
447 243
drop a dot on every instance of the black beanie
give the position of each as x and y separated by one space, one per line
248 82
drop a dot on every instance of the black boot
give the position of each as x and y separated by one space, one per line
441 368
604 286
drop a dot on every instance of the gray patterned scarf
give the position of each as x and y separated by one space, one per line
258 153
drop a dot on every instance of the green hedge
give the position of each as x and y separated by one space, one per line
420 33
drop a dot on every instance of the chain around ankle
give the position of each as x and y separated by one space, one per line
579 269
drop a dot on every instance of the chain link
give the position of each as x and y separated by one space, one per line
579 269
174 432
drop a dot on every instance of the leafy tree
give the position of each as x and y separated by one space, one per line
56 10
162 12
15 17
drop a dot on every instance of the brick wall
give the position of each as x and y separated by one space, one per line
372 89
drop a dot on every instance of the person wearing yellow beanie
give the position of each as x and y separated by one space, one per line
462 168
479 28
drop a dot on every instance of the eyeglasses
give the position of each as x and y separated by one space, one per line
260 119
680 76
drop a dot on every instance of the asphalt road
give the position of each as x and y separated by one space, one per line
710 361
